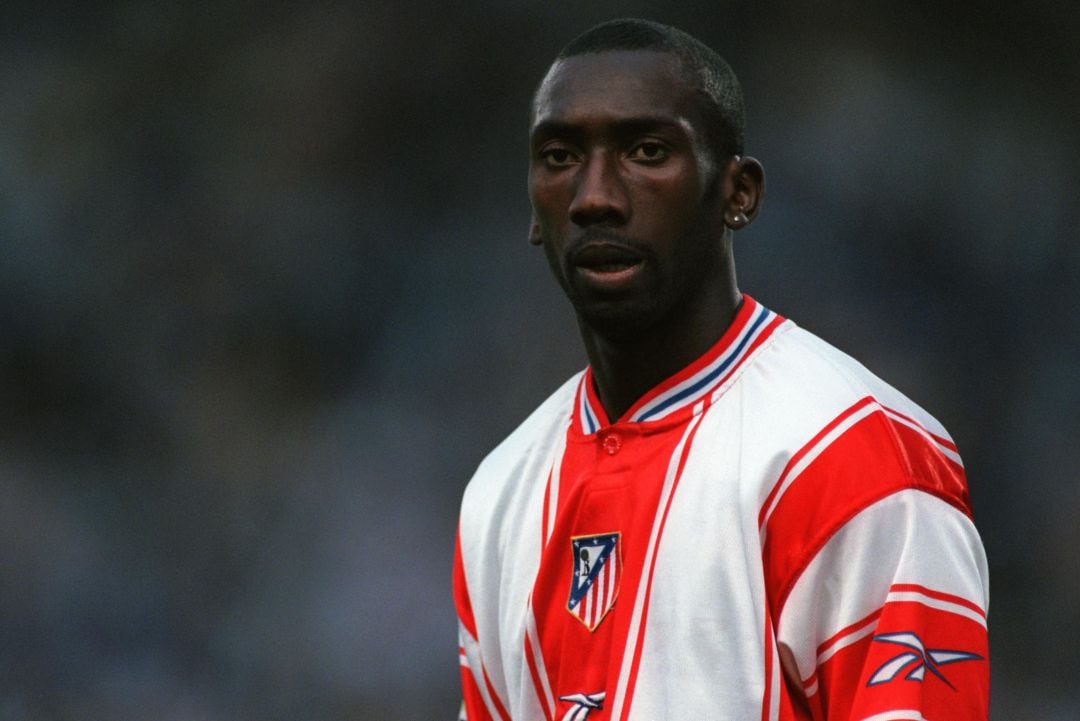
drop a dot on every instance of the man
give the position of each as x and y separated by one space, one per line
722 517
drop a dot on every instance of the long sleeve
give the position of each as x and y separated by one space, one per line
880 589
476 698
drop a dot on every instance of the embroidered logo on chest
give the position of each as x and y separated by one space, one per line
582 705
594 583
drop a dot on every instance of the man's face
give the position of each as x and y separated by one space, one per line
624 190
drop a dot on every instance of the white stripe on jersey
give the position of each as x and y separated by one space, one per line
854 636
476 667
939 604
553 487
650 553
533 636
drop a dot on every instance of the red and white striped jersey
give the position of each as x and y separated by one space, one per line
773 533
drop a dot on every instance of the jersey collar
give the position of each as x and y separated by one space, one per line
752 325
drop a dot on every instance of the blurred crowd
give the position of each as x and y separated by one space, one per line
266 300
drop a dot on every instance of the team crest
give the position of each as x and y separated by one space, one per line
594 583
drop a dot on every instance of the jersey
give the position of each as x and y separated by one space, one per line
772 533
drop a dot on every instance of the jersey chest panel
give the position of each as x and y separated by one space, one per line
608 491
674 504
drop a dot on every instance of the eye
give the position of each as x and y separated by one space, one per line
557 156
648 152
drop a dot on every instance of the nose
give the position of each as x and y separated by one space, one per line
600 196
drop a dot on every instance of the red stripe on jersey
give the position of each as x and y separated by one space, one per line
499 708
770 641
592 398
873 458
461 591
940 439
857 629
475 710
813 443
535 673
775 323
845 636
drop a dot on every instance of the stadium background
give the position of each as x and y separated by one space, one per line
266 300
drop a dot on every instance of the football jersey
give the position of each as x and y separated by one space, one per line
772 533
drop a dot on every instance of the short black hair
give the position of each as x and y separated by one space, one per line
714 81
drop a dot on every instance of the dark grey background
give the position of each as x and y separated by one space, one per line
266 300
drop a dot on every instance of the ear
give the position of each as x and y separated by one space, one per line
534 231
744 190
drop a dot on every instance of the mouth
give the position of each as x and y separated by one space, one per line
606 260
607 266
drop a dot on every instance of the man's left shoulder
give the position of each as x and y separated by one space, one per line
812 373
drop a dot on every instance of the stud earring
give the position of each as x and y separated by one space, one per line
739 220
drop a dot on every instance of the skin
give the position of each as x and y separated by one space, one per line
635 215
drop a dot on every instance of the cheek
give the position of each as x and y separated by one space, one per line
678 187
549 200
672 205
555 264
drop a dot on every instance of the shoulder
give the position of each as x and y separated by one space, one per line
828 362
527 448
499 524
813 419
806 378
857 459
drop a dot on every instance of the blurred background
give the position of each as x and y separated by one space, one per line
266 300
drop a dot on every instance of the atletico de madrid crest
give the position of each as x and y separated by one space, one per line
595 580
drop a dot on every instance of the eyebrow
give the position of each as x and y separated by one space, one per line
621 126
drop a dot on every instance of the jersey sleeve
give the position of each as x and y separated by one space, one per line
889 619
879 582
479 703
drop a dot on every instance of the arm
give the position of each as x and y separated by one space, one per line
877 578
890 616
476 696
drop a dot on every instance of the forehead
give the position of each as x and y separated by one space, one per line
613 85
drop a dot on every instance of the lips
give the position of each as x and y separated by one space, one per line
607 266
605 257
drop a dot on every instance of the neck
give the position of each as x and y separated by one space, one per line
626 368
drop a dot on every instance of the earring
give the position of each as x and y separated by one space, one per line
739 220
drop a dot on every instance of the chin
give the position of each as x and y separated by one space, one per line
615 321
